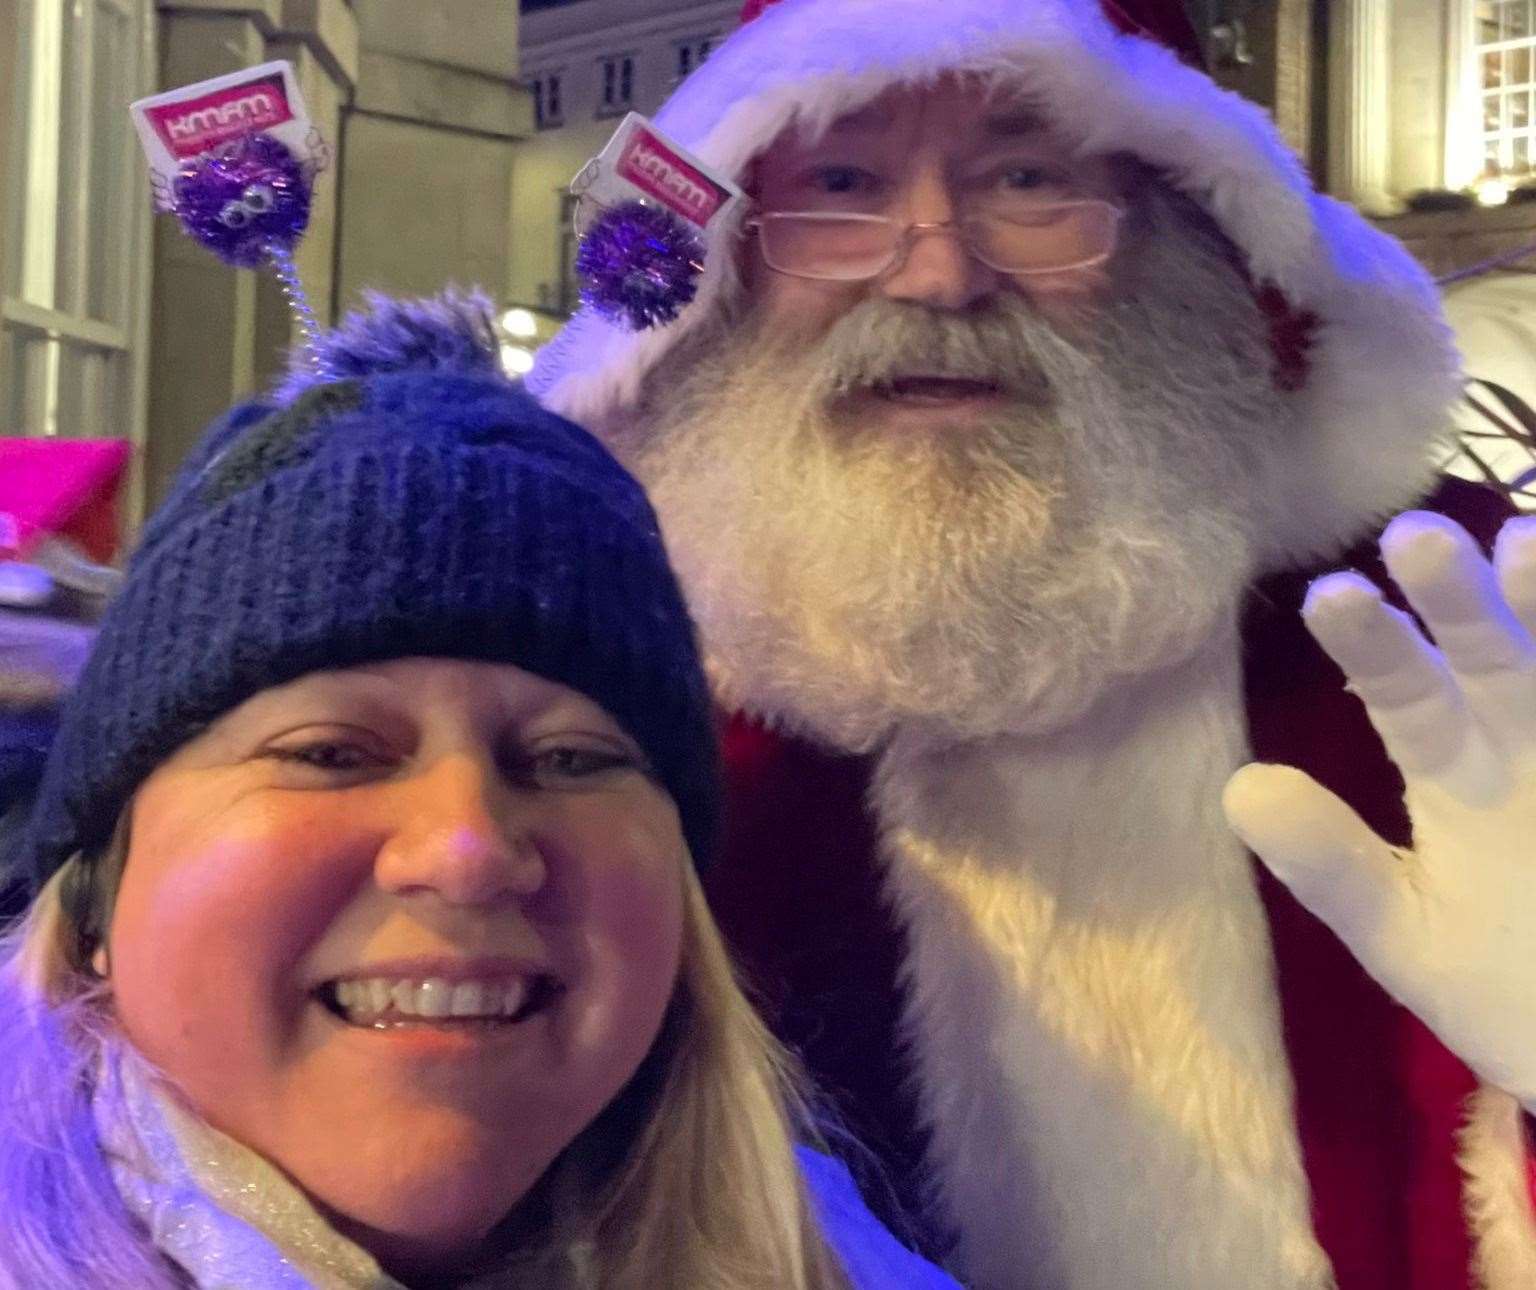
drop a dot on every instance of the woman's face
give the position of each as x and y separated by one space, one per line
404 930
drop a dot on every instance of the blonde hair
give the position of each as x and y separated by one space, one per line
688 1179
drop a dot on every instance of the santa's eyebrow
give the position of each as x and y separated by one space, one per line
1013 122
872 117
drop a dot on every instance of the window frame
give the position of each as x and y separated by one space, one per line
59 325
690 53
548 99
1506 137
616 74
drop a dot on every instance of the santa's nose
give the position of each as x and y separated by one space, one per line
937 267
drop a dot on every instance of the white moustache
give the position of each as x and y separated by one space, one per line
883 342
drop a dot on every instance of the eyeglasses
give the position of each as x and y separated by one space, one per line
836 246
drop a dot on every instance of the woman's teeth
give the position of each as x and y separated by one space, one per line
379 1001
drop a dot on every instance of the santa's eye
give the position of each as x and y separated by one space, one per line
1020 178
843 180
234 215
258 199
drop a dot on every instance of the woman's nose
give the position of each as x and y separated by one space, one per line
465 836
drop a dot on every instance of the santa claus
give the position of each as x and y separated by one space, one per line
997 454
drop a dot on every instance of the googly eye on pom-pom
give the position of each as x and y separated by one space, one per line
244 200
639 265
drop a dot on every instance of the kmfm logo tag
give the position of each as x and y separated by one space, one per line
653 167
196 125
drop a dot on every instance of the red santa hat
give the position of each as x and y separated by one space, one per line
1165 21
1344 298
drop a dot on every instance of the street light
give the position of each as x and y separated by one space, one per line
520 323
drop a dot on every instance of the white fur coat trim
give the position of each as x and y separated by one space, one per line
1497 1193
1384 370
1092 1012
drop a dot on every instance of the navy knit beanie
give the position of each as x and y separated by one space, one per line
420 505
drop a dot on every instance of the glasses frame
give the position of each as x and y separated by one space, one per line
911 232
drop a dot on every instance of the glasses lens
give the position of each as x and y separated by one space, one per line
1041 238
835 247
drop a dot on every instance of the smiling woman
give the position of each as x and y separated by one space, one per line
367 947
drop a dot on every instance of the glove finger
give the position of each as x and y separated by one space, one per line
1323 851
1409 693
1514 562
1487 648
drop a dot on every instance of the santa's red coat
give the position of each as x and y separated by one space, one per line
1379 1100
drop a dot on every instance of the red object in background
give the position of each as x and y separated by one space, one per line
1164 21
65 487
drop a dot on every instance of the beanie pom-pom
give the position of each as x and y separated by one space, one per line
451 333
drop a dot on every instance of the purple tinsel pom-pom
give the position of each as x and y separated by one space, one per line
639 265
243 198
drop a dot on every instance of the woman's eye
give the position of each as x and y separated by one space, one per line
327 755
572 763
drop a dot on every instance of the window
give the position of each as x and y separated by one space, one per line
74 220
692 52
1505 48
569 295
618 84
548 110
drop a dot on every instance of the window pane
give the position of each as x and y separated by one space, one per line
37 120
19 66
1520 110
1518 64
1487 22
73 146
111 221
11 387
1517 19
1492 122
87 392
1493 71
1493 163
1520 157
28 383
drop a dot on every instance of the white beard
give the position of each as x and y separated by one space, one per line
968 582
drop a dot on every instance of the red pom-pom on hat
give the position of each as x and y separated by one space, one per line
1164 21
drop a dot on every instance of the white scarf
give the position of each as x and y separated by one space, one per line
216 1209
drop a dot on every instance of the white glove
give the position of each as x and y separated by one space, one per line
1449 927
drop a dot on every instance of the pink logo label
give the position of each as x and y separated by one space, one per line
655 169
193 126
10 534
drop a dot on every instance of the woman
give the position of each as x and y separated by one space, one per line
366 949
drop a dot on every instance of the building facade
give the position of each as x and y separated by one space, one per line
453 149
112 322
